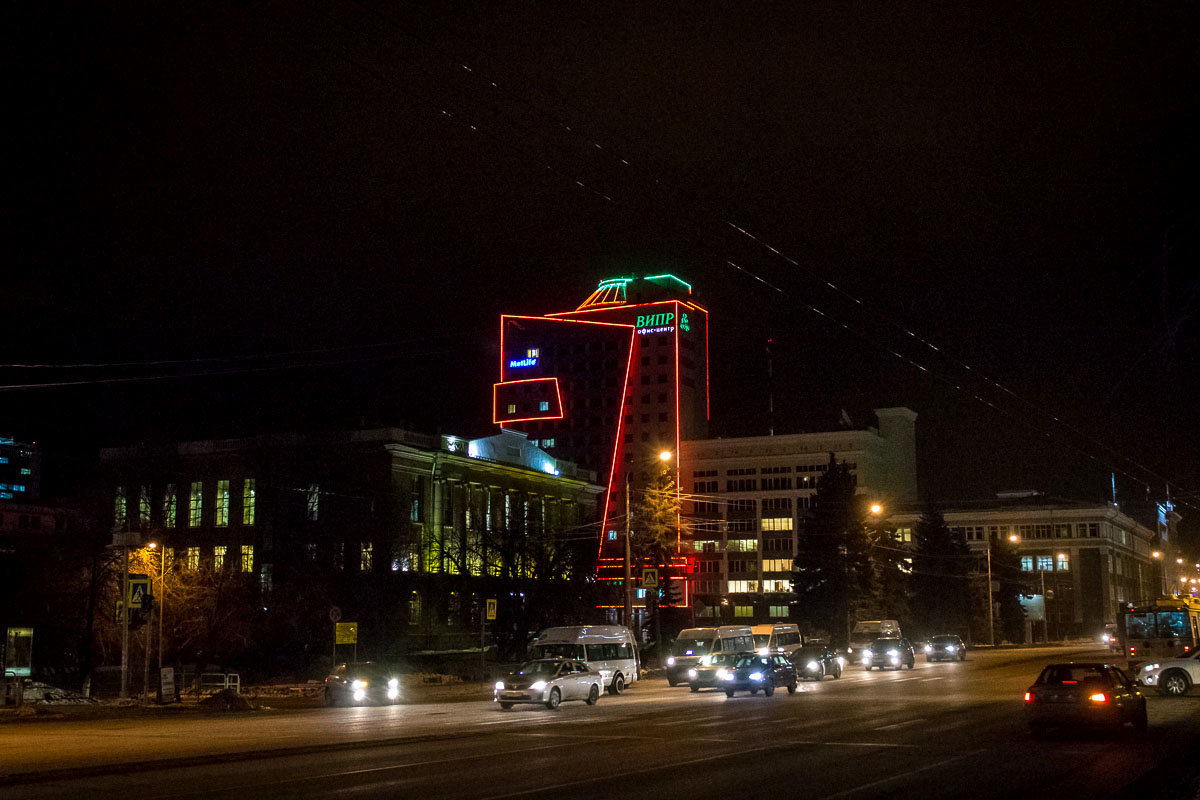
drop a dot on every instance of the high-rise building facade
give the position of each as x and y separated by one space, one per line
610 385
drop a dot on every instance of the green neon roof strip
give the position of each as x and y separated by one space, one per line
611 281
671 277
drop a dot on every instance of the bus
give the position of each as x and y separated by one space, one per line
1168 627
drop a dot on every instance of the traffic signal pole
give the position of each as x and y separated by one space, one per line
124 606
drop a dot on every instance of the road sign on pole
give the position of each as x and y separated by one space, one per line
649 579
139 590
491 610
346 632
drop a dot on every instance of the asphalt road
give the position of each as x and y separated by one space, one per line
940 730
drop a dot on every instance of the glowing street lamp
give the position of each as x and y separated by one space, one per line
876 509
665 455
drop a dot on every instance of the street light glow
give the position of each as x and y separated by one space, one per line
665 455
1156 554
1012 537
876 508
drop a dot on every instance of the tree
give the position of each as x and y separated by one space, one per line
832 571
940 580
891 574
653 537
1006 572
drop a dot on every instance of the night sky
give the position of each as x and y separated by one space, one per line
317 212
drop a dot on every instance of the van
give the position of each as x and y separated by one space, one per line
868 630
609 649
777 637
692 644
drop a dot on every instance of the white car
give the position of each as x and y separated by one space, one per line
1172 676
549 682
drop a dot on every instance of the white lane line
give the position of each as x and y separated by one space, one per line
900 724
938 678
871 744
904 774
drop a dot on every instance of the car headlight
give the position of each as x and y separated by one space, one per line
1149 667
849 649
670 661
359 695
764 651
724 674
928 648
867 654
950 648
692 673
893 652
393 688
841 661
756 676
812 666
358 686
499 686
537 686
1106 638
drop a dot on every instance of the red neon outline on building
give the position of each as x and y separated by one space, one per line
612 470
496 407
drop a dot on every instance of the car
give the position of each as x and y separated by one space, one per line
1087 694
754 672
362 683
1111 637
889 651
704 674
945 647
549 682
1173 677
692 644
610 649
815 661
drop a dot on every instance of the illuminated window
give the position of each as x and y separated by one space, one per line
904 535
533 352
247 558
1064 562
777 565
26 471
512 408
778 611
219 556
195 504
221 507
775 586
742 587
1027 563
1045 563
547 443
168 511
777 524
366 556
248 501
743 611
119 508
612 536
544 405
742 545
193 558
314 501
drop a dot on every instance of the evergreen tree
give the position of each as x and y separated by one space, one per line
1006 572
940 580
831 574
891 573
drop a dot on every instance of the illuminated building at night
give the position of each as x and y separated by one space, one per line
609 385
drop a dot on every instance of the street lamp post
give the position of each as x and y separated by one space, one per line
124 606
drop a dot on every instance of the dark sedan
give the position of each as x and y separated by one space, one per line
704 674
1084 695
815 661
754 672
946 647
895 652
363 683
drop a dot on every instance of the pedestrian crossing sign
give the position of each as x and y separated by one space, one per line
139 591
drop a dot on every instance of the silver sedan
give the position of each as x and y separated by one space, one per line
549 682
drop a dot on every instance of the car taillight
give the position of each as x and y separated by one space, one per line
1029 697
1099 697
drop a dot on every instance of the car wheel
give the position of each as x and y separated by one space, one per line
962 656
672 682
729 692
769 688
618 684
693 687
1174 683
867 667
506 706
593 695
1140 720
792 687
837 673
912 664
753 691
555 698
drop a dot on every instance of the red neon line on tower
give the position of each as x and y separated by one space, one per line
612 470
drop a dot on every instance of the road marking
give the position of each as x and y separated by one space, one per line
900 724
904 774
938 678
871 744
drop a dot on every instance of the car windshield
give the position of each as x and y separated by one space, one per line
762 639
538 669
750 661
719 659
885 643
691 647
365 671
810 652
945 640
1071 674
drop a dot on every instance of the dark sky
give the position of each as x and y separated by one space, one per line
235 180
